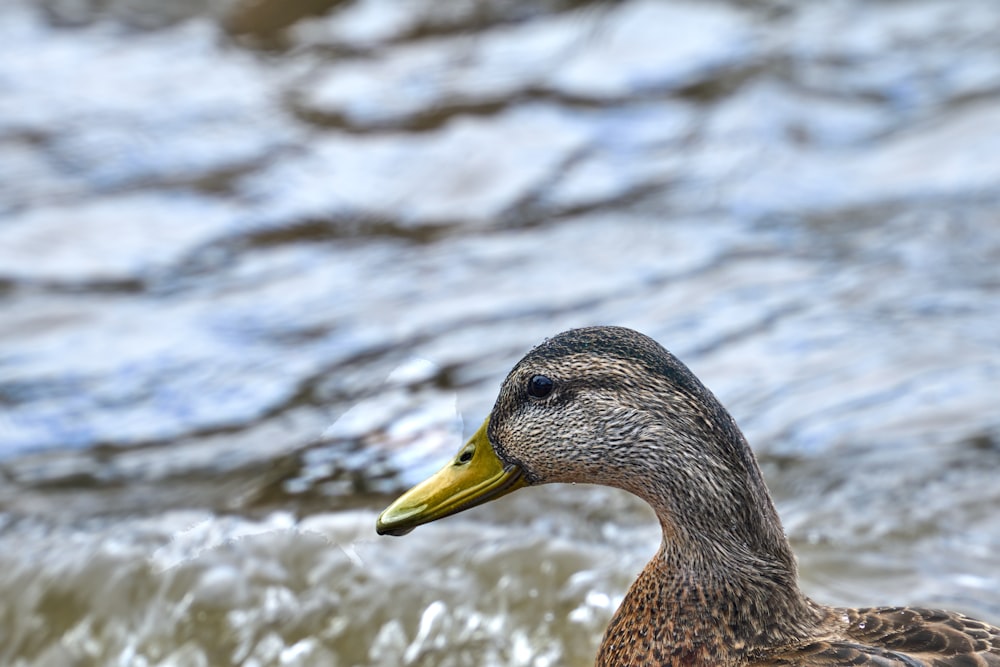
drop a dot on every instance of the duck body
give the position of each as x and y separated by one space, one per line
608 405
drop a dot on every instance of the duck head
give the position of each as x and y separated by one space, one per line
609 406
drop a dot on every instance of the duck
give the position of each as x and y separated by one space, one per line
610 406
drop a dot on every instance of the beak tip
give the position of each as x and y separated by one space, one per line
386 526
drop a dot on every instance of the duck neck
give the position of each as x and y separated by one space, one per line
723 586
685 609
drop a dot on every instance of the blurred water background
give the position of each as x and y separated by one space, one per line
262 264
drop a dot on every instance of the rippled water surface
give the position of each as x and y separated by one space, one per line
263 264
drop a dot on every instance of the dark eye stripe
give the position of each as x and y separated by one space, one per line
540 386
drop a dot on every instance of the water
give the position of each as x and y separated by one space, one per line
262 265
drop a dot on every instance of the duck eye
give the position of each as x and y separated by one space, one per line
540 386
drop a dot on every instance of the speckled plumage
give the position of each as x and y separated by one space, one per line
723 588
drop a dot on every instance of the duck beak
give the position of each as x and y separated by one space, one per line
473 477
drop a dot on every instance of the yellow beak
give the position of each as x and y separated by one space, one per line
474 477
